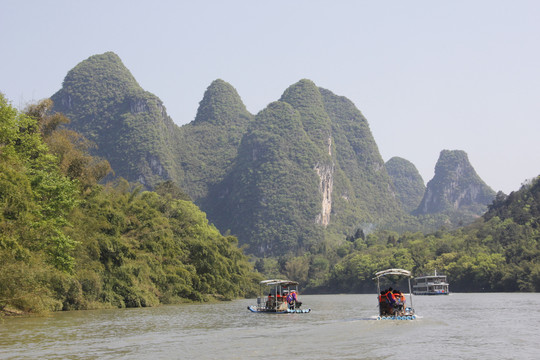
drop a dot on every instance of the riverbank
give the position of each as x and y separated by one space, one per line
8 311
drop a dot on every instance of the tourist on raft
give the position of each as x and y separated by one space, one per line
391 302
292 300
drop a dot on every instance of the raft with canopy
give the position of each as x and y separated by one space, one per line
392 307
282 298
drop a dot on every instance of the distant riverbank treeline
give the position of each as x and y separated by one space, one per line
67 242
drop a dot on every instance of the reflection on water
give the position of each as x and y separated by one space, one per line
462 326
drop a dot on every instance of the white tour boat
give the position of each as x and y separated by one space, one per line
431 285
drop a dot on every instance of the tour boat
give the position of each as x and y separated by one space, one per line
392 302
282 298
431 285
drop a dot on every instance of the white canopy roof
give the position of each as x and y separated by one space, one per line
273 282
392 272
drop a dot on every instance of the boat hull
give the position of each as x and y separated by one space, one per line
430 293
255 309
404 317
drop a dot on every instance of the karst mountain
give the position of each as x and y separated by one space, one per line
303 172
408 182
455 187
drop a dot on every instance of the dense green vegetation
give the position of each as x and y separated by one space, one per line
67 242
130 126
265 179
309 145
278 210
498 252
270 196
71 240
209 145
407 181
363 194
274 204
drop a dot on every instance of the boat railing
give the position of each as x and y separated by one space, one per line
271 303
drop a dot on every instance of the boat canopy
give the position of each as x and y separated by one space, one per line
277 282
392 272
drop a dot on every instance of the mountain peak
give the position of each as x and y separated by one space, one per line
305 97
303 94
99 77
106 104
455 186
221 105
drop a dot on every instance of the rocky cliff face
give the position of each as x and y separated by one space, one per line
455 187
326 186
362 190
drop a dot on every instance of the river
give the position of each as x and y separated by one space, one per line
457 326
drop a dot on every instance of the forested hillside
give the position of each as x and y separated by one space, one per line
409 184
307 170
498 252
208 146
270 198
279 192
129 125
67 242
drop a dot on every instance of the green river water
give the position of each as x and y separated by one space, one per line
457 326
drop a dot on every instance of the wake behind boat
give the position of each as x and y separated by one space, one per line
282 298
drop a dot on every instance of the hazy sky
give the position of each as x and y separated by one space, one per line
428 75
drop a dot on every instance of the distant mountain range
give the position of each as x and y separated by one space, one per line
302 172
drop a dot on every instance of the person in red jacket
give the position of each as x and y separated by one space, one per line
399 301
386 302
